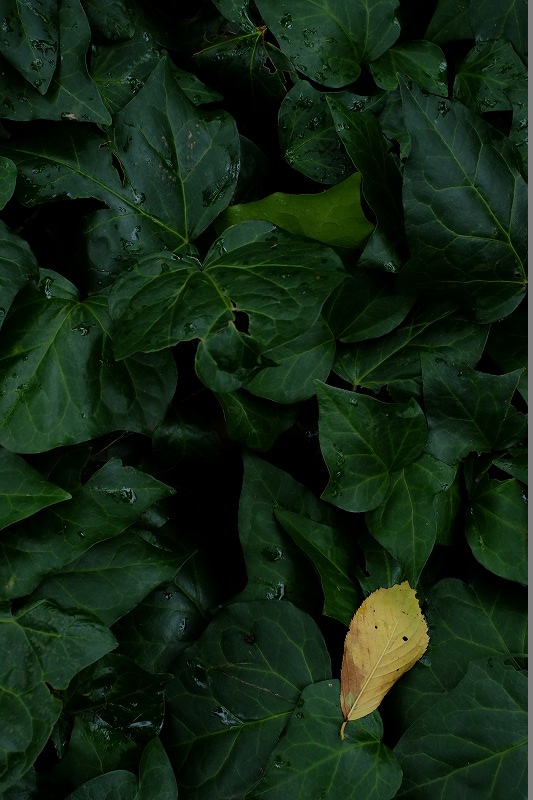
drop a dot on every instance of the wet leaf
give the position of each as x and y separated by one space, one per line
362 136
49 340
387 636
333 557
71 96
492 78
423 62
363 441
359 764
23 490
234 692
328 42
29 40
458 235
113 498
307 135
162 203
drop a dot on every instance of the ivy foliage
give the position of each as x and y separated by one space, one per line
262 352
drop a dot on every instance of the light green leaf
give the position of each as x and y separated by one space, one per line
474 737
328 40
310 759
407 521
496 527
50 340
334 217
334 557
423 62
462 235
106 505
234 692
23 491
363 440
72 96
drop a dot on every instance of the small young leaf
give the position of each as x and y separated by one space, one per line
387 635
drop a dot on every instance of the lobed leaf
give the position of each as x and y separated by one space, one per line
461 235
363 440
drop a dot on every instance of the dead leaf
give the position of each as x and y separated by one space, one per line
387 635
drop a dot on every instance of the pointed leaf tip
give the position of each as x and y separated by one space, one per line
387 636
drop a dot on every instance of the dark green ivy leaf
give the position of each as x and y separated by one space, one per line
363 138
180 169
72 95
493 78
359 766
469 410
111 20
253 421
18 266
108 503
275 566
57 352
466 623
42 645
496 527
501 19
363 441
334 557
8 180
423 62
234 692
307 135
329 40
23 491
462 236
474 737
112 577
406 523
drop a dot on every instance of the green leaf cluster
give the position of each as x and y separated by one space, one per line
262 352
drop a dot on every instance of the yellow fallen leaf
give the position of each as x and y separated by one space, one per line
387 635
